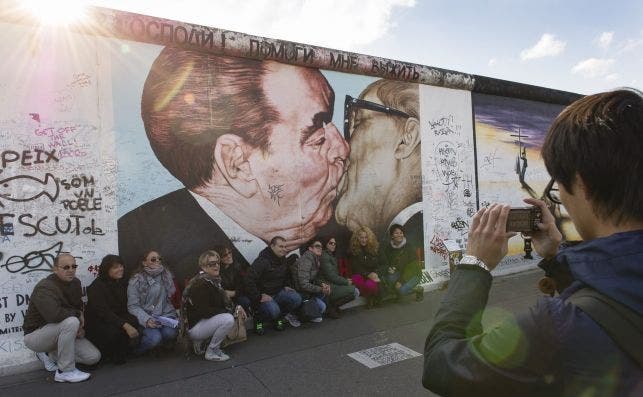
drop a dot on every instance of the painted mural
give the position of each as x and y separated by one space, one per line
117 146
509 136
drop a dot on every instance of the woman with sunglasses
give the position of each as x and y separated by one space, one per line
208 309
341 289
110 327
149 296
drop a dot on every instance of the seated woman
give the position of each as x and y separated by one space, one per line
108 324
149 295
341 289
232 276
403 269
304 273
209 309
365 263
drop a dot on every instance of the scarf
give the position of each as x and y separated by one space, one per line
166 278
400 245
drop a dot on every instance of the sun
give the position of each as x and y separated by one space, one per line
53 13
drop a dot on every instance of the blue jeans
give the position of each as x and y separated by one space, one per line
285 301
406 288
321 303
153 337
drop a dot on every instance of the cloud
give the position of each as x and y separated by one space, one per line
612 77
604 40
593 67
492 62
340 24
547 46
632 44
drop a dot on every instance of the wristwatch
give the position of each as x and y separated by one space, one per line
473 261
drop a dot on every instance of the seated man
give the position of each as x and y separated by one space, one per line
562 346
54 322
268 288
305 271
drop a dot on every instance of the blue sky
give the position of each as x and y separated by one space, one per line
583 46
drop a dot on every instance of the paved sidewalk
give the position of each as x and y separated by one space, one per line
312 360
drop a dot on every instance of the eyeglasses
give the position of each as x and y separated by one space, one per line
352 104
67 267
552 192
156 259
332 243
317 245
212 264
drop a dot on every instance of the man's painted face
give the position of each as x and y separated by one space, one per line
371 174
298 178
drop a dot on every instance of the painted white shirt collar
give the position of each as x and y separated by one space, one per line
246 243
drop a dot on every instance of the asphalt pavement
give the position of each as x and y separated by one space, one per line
308 361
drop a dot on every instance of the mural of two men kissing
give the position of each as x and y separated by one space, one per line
257 149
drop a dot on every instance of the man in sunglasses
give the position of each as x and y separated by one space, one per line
588 339
383 183
254 145
54 323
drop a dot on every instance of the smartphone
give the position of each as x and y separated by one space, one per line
523 219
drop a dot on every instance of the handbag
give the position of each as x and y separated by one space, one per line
238 332
310 309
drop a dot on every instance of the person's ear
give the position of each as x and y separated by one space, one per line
409 139
231 160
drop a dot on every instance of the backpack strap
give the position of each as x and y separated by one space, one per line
621 323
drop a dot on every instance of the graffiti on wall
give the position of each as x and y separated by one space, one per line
449 188
55 185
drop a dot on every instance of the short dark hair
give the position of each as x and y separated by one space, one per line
276 239
107 263
395 227
600 139
191 98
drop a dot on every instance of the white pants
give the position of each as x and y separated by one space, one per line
215 327
59 339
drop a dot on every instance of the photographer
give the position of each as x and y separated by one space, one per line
594 151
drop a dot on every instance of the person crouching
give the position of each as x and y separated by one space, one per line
209 309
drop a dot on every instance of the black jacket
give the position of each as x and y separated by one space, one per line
268 274
52 301
107 304
364 263
233 276
206 299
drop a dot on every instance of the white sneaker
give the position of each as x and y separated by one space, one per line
316 320
292 320
50 365
216 355
72 376
199 347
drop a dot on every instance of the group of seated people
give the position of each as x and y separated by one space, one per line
123 317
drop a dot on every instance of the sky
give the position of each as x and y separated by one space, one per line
582 46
